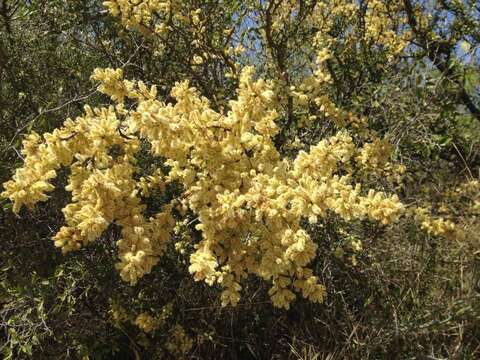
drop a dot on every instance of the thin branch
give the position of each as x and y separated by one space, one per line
19 131
434 50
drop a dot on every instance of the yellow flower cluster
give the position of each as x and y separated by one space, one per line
384 22
461 202
179 343
111 80
312 90
136 14
102 185
283 14
154 16
249 202
375 154
373 159
438 226
383 28
144 321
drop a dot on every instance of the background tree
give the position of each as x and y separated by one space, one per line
400 76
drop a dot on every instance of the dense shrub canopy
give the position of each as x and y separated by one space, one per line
329 148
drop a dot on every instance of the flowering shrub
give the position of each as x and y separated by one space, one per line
321 148
248 200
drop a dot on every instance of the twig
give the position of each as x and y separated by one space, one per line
76 99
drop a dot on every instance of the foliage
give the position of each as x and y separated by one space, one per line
330 148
